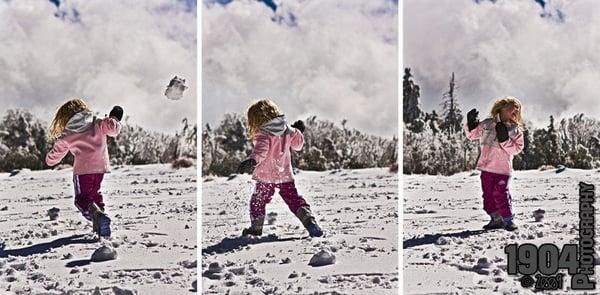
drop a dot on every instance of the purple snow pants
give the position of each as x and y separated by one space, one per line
87 191
263 193
496 197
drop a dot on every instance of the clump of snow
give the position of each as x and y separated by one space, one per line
53 213
321 258
483 262
123 291
424 211
215 267
238 271
538 214
104 253
189 263
271 218
443 241
214 271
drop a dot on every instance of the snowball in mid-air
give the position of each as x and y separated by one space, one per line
175 88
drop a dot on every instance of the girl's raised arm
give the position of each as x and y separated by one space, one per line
110 126
514 144
475 133
297 140
58 152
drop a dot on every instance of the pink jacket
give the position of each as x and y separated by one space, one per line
272 152
85 138
496 157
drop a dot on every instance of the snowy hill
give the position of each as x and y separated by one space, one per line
153 211
443 242
357 209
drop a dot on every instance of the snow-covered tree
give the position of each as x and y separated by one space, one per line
580 158
23 141
411 93
327 146
452 116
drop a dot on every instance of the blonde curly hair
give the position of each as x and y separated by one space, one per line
259 113
64 114
500 103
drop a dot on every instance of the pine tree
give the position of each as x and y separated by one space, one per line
450 109
411 93
547 150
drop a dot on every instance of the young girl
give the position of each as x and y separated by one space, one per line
500 138
75 129
271 166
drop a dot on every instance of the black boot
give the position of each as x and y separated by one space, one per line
495 222
255 228
309 222
100 221
510 226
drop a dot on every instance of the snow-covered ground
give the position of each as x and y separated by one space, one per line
357 209
445 250
153 211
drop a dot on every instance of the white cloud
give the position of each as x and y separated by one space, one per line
338 61
119 53
506 48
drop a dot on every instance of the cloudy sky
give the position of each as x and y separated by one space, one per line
551 63
107 52
333 59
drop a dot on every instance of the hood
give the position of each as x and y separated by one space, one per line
277 126
80 122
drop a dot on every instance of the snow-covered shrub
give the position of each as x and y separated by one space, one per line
575 144
326 146
313 160
23 141
444 153
183 144
580 158
136 145
232 133
224 148
183 162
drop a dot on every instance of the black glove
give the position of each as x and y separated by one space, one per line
247 166
116 112
501 132
472 121
299 125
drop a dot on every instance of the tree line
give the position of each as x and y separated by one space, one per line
327 146
436 144
24 143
